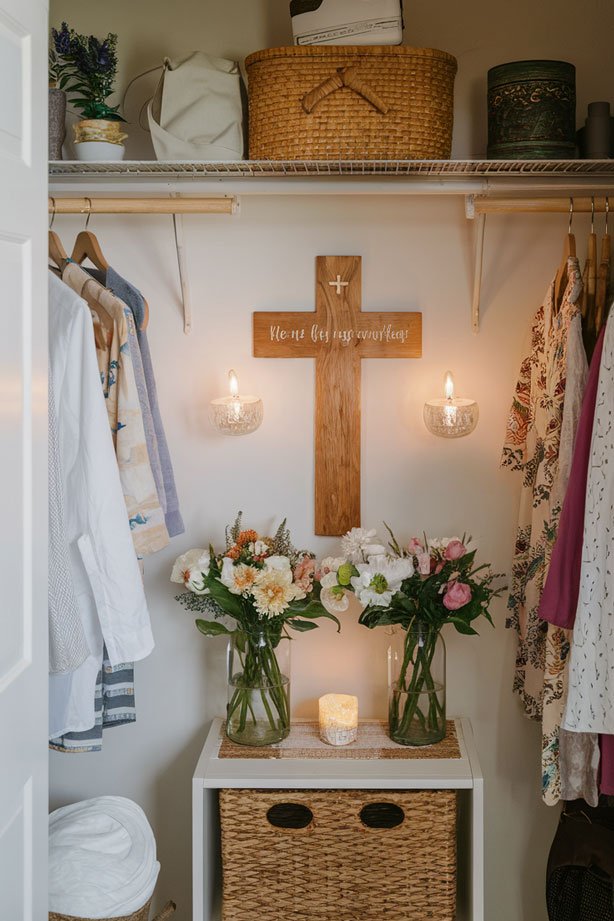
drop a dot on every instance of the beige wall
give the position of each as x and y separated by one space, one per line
417 254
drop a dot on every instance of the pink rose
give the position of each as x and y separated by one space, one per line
304 572
415 547
438 568
455 550
424 563
457 596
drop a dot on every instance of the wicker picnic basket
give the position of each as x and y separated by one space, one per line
141 915
338 855
318 102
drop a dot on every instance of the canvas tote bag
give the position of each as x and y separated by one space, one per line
197 111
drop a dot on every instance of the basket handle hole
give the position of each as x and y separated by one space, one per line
289 815
382 815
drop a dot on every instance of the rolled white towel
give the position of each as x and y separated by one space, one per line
102 858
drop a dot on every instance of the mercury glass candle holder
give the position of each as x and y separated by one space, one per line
451 417
338 718
236 414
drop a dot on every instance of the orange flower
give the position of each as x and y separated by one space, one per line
234 553
246 537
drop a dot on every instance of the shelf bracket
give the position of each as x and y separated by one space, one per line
477 272
183 274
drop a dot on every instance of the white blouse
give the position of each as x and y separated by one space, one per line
105 570
590 701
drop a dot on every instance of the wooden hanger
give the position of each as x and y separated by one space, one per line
87 245
603 274
590 276
569 250
57 253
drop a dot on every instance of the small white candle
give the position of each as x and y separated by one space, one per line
236 414
338 715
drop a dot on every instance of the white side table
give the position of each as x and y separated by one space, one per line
269 771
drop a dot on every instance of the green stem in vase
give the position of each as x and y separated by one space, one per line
419 651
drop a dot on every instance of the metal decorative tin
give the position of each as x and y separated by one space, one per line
532 111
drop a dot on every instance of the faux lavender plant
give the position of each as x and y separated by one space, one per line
85 67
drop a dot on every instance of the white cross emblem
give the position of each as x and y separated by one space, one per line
338 284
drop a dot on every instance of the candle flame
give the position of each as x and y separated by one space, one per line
233 383
449 386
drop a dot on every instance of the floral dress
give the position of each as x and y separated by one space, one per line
532 446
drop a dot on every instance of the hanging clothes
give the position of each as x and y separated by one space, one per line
532 446
134 299
558 640
145 515
114 705
68 647
590 701
157 445
105 571
578 752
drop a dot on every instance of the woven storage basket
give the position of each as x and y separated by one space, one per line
350 103
336 867
141 915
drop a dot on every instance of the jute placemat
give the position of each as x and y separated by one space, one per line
372 743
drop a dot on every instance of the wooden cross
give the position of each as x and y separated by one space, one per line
338 335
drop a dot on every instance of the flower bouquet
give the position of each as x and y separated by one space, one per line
265 585
420 588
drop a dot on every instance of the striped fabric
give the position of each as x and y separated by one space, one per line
113 704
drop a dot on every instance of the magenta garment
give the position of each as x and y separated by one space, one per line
606 765
559 598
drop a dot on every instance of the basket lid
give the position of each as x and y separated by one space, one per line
351 51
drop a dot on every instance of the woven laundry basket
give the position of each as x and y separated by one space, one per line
338 855
350 103
141 915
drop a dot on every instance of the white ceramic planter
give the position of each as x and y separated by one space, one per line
89 151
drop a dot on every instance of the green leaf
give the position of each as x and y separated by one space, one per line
212 628
302 625
463 627
229 603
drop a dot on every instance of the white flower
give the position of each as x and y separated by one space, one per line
440 543
358 545
185 562
191 569
238 578
273 591
332 563
277 562
380 579
336 602
258 548
329 580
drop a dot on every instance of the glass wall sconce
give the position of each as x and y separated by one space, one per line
236 414
452 417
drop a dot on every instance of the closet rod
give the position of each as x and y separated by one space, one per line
226 205
495 205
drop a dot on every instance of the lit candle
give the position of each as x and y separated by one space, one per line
451 417
338 715
235 414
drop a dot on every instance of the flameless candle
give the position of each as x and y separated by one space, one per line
236 414
451 417
338 718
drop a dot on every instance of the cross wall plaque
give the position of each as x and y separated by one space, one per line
338 335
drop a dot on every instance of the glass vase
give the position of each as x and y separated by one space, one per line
258 710
417 686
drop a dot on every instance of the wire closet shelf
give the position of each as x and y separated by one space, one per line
436 169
